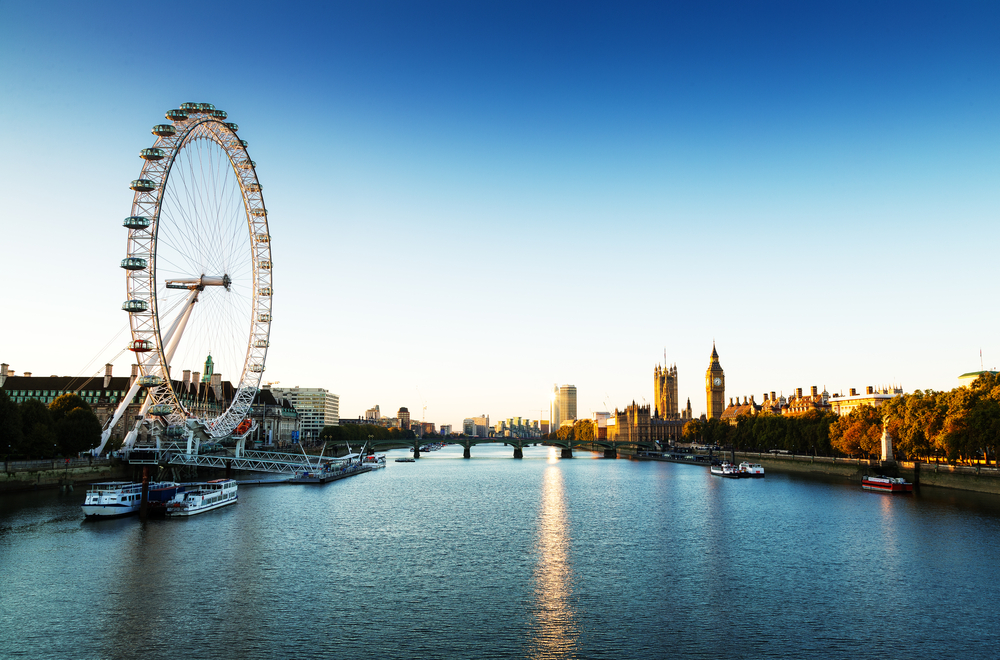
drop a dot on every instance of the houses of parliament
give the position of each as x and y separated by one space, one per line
665 422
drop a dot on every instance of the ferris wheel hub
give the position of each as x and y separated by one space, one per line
199 282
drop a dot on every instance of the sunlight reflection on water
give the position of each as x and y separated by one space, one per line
555 631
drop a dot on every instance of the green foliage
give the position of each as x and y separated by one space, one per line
64 403
693 431
807 433
34 412
78 430
583 431
858 433
38 434
565 434
357 434
40 441
11 433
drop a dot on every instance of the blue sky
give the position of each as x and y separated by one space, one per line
472 201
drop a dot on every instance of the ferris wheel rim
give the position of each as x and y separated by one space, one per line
141 284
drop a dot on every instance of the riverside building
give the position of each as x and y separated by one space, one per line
316 408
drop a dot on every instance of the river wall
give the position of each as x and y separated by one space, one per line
32 475
975 478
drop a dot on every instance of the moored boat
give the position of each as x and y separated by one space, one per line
406 460
726 470
755 470
886 484
110 499
199 498
374 461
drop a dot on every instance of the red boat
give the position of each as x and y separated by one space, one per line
886 484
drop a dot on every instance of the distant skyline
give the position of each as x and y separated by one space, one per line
472 201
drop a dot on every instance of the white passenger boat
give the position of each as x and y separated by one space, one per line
755 470
374 461
109 499
199 498
726 470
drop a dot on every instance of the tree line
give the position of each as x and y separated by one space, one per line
357 434
805 433
33 430
962 424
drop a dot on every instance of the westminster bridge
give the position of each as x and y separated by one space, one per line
610 448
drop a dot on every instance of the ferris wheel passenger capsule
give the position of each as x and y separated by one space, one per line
191 108
140 346
246 164
135 306
263 317
265 264
153 153
161 409
261 343
254 187
258 213
264 291
143 185
164 130
207 108
235 128
219 114
257 368
244 144
136 222
151 380
134 263
176 115
262 238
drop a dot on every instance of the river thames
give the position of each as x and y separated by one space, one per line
501 558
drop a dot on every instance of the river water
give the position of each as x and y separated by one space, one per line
500 558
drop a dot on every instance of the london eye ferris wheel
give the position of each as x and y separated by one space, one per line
198 265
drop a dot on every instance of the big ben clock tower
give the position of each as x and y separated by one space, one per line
715 387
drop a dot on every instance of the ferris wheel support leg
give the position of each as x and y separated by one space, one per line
173 336
119 411
134 433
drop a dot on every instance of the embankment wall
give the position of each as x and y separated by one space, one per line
54 474
978 479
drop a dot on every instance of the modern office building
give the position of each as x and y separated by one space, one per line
404 419
316 408
563 405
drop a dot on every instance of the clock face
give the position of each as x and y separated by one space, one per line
717 381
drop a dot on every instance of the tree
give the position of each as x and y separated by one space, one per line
716 431
39 442
565 433
38 431
77 431
63 403
11 433
692 431
583 431
858 433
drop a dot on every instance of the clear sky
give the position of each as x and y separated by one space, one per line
471 201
